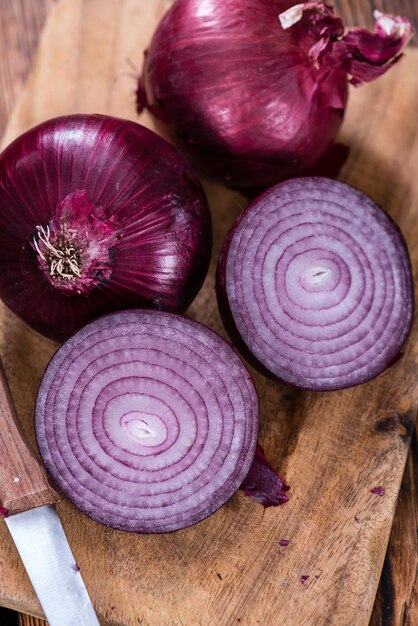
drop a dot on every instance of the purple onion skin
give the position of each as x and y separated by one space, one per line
142 223
147 421
365 215
263 483
249 102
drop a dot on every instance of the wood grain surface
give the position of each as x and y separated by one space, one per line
332 448
20 24
396 602
23 481
29 620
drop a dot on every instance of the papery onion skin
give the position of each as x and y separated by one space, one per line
314 285
252 103
263 483
147 421
98 214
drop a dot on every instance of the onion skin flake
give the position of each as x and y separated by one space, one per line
147 421
314 284
263 483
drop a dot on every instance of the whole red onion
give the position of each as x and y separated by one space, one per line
148 422
98 214
251 99
315 285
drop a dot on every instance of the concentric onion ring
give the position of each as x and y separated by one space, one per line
147 421
317 280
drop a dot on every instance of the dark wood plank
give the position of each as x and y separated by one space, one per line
397 598
29 620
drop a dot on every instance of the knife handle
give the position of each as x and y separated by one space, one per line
23 481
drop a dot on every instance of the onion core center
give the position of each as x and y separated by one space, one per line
317 271
323 275
145 428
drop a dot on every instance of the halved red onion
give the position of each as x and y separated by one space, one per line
314 281
147 421
98 214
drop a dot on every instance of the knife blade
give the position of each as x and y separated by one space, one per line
27 501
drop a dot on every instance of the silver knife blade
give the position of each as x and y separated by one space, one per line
49 562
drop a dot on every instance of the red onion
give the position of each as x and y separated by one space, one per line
147 421
97 214
314 281
252 100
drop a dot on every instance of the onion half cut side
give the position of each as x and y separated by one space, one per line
314 284
147 421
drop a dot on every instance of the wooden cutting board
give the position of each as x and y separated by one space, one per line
331 448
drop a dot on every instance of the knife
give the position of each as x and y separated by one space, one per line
27 503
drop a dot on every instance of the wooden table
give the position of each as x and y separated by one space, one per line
397 599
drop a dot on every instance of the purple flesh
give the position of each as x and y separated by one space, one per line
251 99
379 491
315 286
147 421
98 214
